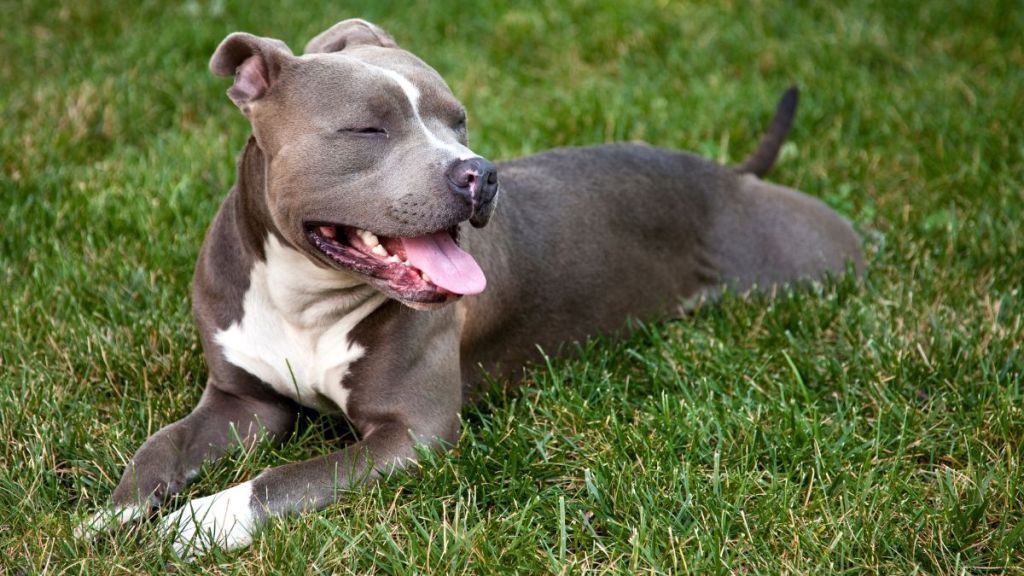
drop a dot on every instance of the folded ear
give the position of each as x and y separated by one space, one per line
255 63
347 33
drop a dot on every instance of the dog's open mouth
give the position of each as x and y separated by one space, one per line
427 268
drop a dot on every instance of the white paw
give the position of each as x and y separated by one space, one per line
224 519
108 519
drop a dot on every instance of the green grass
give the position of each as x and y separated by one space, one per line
863 427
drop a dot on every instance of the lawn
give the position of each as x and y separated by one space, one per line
872 426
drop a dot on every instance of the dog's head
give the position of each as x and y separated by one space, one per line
367 164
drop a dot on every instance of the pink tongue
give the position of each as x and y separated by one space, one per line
447 265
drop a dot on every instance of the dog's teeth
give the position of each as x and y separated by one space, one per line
369 238
328 231
393 258
425 277
379 250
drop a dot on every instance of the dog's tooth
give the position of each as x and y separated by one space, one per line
379 250
425 277
328 231
394 259
369 238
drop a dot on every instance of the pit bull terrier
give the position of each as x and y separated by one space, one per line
340 274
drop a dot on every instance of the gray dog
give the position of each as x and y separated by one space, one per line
339 274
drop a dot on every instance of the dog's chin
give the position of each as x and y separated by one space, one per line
384 262
426 306
431 299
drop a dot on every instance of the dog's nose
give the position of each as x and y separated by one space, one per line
474 179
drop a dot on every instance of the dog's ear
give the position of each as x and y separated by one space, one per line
255 62
348 33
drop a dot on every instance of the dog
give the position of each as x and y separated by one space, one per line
360 267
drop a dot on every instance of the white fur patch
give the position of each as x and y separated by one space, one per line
698 299
224 519
107 519
294 329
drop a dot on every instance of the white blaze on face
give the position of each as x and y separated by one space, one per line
412 93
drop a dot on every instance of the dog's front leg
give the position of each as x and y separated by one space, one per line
169 459
406 393
228 519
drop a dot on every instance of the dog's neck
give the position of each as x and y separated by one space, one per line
305 294
254 222
294 333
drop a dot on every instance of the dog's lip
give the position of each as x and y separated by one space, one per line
379 257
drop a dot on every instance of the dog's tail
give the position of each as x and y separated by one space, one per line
761 161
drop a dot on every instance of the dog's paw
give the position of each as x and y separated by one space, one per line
108 519
225 520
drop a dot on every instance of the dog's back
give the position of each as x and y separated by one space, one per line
588 237
584 238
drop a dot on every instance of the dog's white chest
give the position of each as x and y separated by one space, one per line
294 330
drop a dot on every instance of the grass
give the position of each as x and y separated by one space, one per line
861 427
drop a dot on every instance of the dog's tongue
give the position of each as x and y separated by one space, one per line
447 265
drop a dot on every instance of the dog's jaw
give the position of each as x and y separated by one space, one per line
401 267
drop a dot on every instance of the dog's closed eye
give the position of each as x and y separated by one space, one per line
365 131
